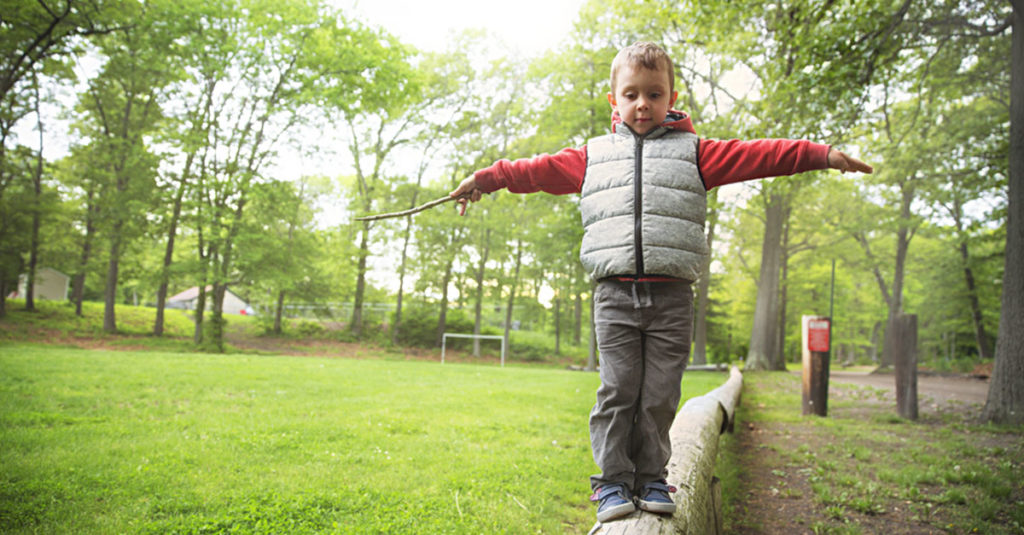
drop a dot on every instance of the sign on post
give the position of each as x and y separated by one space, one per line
816 344
818 330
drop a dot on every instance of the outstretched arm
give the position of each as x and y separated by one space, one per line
557 174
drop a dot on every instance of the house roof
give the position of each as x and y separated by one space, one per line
187 295
193 293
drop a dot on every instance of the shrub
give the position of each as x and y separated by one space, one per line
419 326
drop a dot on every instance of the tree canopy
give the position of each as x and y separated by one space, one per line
182 166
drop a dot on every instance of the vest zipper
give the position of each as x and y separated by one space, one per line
638 196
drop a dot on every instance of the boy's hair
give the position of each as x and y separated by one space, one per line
647 55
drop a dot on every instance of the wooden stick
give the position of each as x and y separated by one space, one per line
410 211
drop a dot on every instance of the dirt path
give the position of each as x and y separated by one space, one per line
930 388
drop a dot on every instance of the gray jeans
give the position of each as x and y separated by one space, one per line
643 334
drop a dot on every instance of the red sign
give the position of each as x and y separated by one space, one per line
817 335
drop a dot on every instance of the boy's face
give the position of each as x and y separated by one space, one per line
642 97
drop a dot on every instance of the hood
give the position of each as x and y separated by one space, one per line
675 120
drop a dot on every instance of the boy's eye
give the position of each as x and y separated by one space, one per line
655 95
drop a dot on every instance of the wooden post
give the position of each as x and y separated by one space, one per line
816 348
905 361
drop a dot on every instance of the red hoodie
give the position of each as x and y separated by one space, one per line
719 163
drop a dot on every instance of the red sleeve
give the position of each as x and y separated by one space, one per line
728 162
559 174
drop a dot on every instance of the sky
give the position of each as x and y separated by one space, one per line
529 27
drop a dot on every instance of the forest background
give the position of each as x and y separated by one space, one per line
192 124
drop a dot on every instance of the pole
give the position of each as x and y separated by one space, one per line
816 332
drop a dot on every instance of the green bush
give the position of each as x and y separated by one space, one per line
419 326
311 328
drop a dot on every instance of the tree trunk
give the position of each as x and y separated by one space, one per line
401 278
1005 402
356 325
110 289
902 246
200 313
980 336
37 215
216 325
904 356
442 317
763 336
161 293
700 323
78 283
780 353
478 306
873 350
512 293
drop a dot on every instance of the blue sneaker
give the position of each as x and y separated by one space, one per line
654 497
613 501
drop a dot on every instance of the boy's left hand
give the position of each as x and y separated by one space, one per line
837 159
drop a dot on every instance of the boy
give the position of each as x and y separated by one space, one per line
643 205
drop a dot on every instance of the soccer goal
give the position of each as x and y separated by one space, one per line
446 336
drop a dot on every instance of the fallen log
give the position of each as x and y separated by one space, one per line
694 435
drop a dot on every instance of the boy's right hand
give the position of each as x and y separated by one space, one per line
837 159
466 193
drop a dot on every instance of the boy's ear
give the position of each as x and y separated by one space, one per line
611 100
672 101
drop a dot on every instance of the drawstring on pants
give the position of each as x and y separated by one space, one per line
636 298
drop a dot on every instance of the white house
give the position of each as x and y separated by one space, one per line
49 284
187 300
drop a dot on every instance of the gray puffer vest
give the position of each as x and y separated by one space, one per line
647 226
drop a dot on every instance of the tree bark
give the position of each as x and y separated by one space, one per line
478 306
903 236
396 328
356 325
37 184
200 313
763 336
442 317
78 283
512 293
161 293
110 289
1005 403
980 335
216 325
780 353
904 335
700 323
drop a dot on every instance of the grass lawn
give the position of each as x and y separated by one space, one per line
161 442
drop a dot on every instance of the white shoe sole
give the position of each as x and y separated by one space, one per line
615 512
658 507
